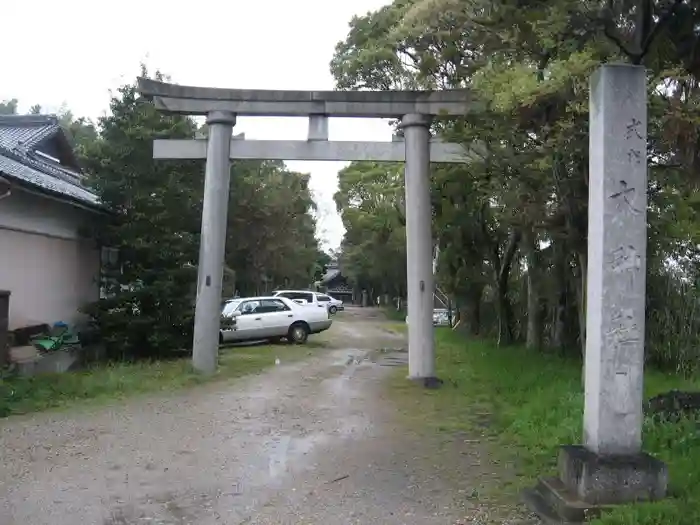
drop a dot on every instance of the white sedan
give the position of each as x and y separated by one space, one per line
256 318
307 297
333 304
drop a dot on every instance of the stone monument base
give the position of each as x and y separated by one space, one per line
589 483
431 382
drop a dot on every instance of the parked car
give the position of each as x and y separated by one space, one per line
441 317
274 318
334 305
307 297
303 297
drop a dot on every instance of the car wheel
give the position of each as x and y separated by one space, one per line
333 309
298 333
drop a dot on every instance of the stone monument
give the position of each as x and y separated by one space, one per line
610 467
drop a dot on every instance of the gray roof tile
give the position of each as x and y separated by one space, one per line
17 170
330 275
26 130
19 135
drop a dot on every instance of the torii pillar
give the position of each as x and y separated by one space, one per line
212 243
419 247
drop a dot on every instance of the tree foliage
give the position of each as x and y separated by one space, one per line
511 224
153 225
370 199
271 232
9 107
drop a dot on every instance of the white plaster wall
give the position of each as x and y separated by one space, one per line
34 213
49 269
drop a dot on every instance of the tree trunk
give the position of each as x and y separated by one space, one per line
581 300
581 305
504 308
559 306
558 323
575 223
533 337
505 315
559 318
472 310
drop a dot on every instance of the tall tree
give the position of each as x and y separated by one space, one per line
153 223
512 223
271 229
371 202
9 107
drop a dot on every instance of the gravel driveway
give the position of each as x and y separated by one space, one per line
304 443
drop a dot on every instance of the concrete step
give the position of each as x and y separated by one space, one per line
556 505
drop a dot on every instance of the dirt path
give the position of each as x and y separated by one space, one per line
305 443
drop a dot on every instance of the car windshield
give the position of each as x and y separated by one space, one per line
230 307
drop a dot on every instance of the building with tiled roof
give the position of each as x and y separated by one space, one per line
334 283
46 261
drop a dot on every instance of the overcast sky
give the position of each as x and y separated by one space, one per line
74 52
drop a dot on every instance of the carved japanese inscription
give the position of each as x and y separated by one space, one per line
634 156
634 129
625 258
624 337
625 262
623 329
624 198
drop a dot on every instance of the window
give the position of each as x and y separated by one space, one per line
230 307
109 256
249 307
323 298
308 297
109 260
271 305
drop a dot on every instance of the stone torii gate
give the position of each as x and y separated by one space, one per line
415 109
610 466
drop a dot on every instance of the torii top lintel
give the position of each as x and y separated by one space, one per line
189 100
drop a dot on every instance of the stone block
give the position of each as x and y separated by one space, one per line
23 353
612 479
30 362
58 361
553 504
589 483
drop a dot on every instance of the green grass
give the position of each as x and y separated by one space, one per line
394 315
107 382
395 327
531 403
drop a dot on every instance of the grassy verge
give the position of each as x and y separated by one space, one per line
20 395
531 403
395 327
394 315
